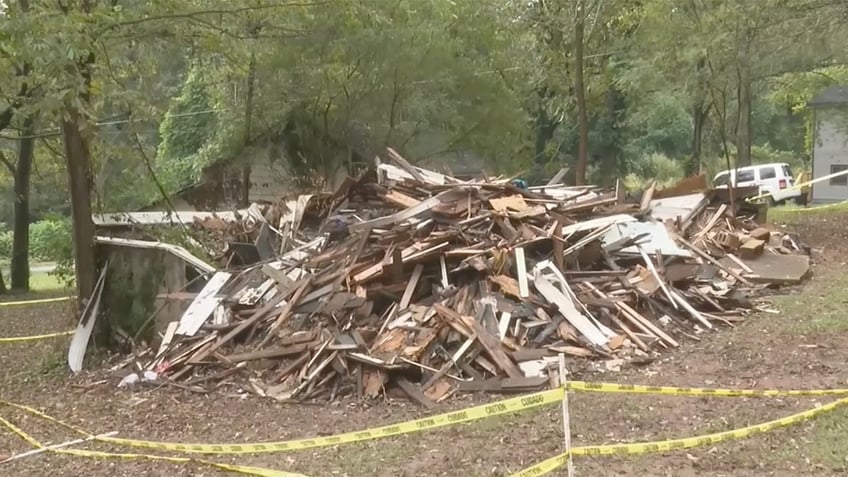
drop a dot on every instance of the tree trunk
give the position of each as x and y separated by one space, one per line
580 95
699 117
20 242
743 125
78 163
248 114
545 128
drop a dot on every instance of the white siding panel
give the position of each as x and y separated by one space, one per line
830 148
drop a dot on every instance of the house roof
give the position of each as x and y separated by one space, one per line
832 96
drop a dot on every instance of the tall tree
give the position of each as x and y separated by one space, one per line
21 168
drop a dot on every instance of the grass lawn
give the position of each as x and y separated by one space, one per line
39 282
792 213
45 282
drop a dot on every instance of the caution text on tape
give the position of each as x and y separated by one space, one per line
456 417
505 406
676 391
242 469
556 462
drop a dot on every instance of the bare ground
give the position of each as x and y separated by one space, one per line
802 347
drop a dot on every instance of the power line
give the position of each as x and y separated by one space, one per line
58 132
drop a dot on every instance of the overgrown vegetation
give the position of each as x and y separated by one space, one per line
655 89
49 243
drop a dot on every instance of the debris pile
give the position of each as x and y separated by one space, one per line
411 281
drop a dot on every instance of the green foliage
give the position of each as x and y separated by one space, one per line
658 123
49 240
5 244
185 130
350 77
654 167
49 243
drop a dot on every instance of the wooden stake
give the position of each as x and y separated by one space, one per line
566 421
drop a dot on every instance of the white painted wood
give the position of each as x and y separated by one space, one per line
521 273
203 305
155 218
79 342
503 324
830 148
568 310
175 249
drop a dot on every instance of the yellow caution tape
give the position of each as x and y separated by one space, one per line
718 392
242 469
811 209
24 339
456 417
554 463
36 302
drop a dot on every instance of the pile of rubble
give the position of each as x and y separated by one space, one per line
405 279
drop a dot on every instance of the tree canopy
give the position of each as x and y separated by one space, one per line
144 95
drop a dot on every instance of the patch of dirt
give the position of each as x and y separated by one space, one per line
763 351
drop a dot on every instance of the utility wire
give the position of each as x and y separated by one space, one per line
57 132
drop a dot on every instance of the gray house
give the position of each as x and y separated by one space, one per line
830 144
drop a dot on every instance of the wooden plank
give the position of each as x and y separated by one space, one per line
202 307
414 392
401 199
494 348
444 269
691 310
490 342
413 252
559 247
276 352
410 287
752 249
713 261
503 324
647 323
627 331
508 285
739 262
569 311
405 165
521 273
642 325
286 311
283 281
406 214
530 354
511 202
559 176
167 338
504 385
647 196
650 264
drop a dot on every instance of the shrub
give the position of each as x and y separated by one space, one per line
5 245
49 241
654 167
